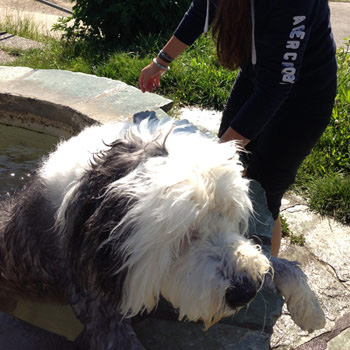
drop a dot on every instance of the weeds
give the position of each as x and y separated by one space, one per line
23 27
324 176
286 232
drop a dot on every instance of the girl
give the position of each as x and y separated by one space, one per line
282 99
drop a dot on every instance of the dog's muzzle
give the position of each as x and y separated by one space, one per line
240 292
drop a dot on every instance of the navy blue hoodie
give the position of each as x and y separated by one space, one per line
295 56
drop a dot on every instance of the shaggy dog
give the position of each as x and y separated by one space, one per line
125 213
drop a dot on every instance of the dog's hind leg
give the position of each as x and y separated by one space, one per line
301 301
104 328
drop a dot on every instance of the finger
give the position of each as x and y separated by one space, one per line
141 83
150 85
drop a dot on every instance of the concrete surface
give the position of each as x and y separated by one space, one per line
340 20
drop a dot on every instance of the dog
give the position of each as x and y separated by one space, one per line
125 213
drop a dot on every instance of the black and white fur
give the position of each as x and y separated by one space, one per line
123 214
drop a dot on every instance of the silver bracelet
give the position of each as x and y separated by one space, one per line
160 65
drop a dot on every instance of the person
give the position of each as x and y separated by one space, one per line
283 96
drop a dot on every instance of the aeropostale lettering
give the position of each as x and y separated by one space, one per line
297 34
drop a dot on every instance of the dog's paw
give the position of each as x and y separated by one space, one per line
306 312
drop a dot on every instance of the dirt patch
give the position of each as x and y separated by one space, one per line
36 6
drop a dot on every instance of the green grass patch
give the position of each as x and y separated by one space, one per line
286 232
324 176
331 196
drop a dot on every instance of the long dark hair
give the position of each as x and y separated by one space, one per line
232 32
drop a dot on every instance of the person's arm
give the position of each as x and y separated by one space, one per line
189 29
231 134
150 75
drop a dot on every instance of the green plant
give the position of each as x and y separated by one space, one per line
122 20
331 196
330 158
23 27
286 232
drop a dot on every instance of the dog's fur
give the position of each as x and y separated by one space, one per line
123 214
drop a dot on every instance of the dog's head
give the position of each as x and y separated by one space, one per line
187 242
173 224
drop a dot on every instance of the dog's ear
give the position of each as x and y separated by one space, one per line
89 218
91 260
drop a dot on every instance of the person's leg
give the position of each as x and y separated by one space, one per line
281 148
276 238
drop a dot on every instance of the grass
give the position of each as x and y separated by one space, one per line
197 79
324 176
23 27
286 232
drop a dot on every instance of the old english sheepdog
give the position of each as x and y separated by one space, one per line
124 213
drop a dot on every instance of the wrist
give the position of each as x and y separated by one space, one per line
161 64
164 57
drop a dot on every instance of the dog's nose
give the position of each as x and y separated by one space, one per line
241 291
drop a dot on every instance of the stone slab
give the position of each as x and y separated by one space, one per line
10 74
19 335
124 102
325 261
84 91
62 103
173 335
63 87
321 234
341 341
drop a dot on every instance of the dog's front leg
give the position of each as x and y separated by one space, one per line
301 301
104 329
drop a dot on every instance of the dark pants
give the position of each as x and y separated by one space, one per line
279 150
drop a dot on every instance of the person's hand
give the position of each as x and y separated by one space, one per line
150 77
231 134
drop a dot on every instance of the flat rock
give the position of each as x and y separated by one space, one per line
172 335
325 260
341 341
62 103
19 335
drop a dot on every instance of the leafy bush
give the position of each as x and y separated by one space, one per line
123 20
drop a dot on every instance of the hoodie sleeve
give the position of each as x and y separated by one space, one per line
192 24
279 59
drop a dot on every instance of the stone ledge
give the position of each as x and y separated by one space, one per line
44 99
16 334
